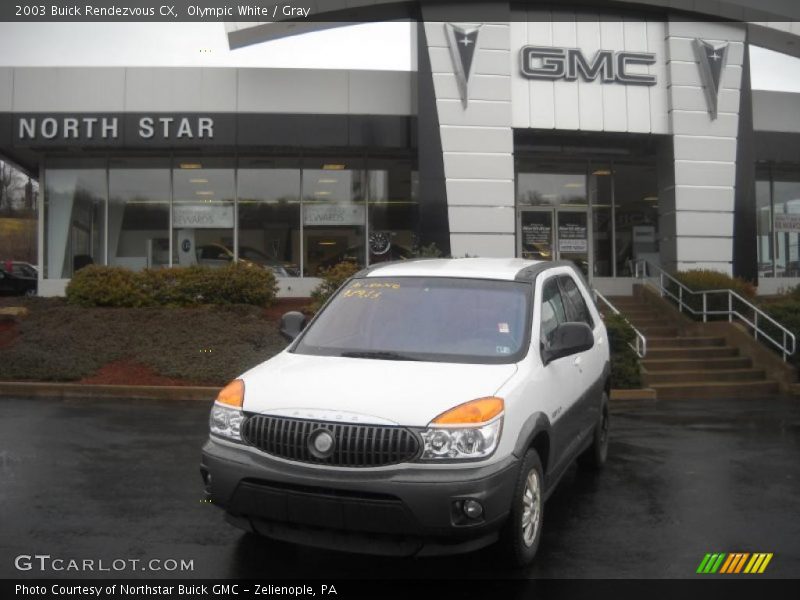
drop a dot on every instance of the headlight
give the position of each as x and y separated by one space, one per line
226 422
468 431
226 414
467 442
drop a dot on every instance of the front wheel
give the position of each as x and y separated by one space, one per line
523 530
594 457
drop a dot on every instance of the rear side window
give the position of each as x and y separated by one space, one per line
577 308
553 311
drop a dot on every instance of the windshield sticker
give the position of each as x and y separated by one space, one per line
359 289
503 350
502 327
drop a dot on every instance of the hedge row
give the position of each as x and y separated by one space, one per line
96 285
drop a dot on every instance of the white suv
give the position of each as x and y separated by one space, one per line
430 407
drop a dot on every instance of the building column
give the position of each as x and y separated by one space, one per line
698 215
477 142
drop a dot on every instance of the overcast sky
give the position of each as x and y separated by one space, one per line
384 46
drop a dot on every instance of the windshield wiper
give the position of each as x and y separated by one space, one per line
380 355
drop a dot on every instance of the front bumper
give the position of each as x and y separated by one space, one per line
406 510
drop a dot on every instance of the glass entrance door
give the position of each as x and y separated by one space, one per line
554 234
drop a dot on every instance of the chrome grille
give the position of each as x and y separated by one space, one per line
354 445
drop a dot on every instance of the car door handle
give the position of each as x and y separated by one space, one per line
577 362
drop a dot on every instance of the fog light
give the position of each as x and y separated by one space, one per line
473 509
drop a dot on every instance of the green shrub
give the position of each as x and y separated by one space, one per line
625 372
179 286
785 310
706 279
332 280
95 285
699 280
429 251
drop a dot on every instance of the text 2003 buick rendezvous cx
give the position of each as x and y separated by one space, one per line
430 407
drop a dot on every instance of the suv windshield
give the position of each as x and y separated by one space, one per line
424 318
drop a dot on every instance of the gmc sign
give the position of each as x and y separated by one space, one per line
540 62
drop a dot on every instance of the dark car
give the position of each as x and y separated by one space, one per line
15 285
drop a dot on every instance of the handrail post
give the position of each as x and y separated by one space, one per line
680 299
730 307
784 345
755 325
705 303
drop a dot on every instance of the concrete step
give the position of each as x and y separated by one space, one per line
629 302
692 352
658 330
719 375
711 362
683 342
710 389
640 314
650 322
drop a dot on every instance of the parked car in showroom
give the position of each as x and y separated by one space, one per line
217 255
430 407
20 268
17 285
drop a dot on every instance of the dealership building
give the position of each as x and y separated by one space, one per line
604 138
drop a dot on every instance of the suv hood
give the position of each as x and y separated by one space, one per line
406 393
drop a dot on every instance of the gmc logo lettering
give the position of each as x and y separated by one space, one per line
539 62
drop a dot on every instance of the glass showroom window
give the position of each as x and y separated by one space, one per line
764 237
74 216
635 216
138 213
203 193
786 222
778 221
334 213
269 214
551 184
601 194
393 210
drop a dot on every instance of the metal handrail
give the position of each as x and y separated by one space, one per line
787 347
641 342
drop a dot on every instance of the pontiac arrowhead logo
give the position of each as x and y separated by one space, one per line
712 59
462 42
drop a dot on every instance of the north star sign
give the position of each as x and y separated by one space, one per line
50 128
544 62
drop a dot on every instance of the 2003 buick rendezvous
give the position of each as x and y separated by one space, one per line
430 407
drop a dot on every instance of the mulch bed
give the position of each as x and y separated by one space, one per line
8 332
129 372
139 346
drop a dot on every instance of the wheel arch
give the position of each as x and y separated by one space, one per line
535 433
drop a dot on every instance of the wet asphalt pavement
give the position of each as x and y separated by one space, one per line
109 480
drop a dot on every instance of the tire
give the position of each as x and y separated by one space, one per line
521 534
595 456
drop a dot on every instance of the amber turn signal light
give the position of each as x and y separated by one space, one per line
232 394
474 411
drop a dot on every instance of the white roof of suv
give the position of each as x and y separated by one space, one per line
475 268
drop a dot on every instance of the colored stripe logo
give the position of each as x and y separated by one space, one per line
732 563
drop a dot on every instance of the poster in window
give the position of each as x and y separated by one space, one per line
572 237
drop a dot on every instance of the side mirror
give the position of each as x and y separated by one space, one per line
292 323
568 339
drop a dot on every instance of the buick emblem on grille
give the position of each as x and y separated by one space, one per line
320 443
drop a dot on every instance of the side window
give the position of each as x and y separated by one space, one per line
553 312
578 310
